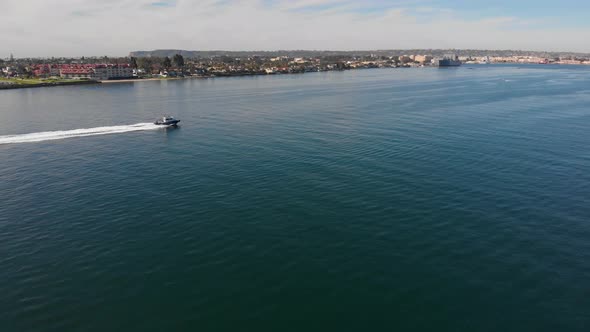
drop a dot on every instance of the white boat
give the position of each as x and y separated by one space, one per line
167 121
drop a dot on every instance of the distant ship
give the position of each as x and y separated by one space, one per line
449 60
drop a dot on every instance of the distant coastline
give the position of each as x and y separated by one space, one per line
17 83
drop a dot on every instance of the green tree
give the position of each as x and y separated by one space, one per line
28 72
178 60
20 69
133 62
167 63
145 64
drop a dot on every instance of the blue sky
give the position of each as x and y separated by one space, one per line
115 27
567 11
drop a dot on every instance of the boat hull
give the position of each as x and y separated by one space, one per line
167 123
449 63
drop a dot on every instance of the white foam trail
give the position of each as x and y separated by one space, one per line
62 134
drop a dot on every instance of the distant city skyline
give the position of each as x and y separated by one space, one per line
37 28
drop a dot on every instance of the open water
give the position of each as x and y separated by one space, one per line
370 200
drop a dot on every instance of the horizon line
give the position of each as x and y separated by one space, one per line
308 50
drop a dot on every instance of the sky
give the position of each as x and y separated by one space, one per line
44 28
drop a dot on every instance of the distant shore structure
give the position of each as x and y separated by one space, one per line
84 71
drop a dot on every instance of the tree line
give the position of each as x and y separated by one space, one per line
147 63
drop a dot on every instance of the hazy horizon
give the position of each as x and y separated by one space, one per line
16 56
115 28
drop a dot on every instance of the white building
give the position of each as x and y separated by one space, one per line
99 72
109 72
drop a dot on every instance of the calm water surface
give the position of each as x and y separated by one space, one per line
375 200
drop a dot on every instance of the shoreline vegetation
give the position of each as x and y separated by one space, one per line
20 83
16 83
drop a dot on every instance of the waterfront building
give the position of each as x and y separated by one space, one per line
405 59
110 71
46 70
75 72
98 72
9 71
423 58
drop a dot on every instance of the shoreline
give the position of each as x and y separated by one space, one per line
41 85
134 80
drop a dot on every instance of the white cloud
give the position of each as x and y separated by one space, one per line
115 27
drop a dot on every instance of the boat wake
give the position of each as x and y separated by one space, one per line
55 135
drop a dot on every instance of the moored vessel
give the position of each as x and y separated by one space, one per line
449 60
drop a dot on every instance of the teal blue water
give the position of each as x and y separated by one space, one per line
368 200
